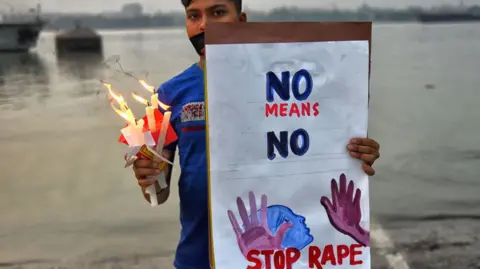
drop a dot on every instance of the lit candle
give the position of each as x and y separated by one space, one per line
149 111
152 125
138 131
163 131
154 100
133 133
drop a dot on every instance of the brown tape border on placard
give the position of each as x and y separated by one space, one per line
282 32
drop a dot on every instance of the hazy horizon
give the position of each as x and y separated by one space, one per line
96 6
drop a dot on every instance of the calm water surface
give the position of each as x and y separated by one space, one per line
64 197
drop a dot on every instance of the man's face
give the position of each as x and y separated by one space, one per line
201 12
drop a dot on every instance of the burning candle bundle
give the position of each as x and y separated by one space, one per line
147 136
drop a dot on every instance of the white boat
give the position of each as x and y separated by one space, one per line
19 31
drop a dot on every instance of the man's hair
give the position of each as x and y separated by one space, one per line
237 3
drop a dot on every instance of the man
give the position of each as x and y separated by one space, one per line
185 94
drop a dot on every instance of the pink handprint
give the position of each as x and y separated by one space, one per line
257 235
344 211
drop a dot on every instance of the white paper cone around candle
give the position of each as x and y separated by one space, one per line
129 134
130 161
135 148
163 131
148 138
152 189
149 142
152 154
162 180
152 192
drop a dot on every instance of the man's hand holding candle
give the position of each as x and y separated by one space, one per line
152 125
146 173
151 166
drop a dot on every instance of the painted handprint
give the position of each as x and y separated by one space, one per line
344 210
256 235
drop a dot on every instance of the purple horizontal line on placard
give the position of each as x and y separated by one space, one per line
294 174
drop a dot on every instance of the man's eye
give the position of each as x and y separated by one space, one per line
193 17
219 13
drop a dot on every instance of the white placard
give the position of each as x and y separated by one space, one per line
286 159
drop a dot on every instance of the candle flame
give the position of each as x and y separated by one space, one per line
147 86
140 99
116 96
163 106
124 112
151 89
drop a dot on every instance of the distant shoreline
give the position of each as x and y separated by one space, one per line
181 28
120 21
127 29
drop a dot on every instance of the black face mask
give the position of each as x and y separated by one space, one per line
198 42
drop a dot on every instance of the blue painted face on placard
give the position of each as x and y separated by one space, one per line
298 236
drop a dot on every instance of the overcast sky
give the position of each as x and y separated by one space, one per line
167 5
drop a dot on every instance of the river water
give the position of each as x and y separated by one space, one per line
66 201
